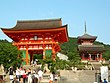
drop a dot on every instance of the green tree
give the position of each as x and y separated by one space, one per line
70 49
106 53
9 54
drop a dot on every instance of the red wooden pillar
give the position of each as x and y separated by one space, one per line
27 55
83 58
53 54
44 57
31 57
100 56
44 53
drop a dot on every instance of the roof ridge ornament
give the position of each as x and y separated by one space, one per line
85 28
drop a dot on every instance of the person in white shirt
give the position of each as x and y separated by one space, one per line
30 78
21 74
51 78
11 73
18 73
40 74
35 77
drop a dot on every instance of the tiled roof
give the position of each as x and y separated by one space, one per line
87 36
37 24
91 48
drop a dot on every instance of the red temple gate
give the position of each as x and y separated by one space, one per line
38 36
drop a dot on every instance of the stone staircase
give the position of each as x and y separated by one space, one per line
96 65
45 75
30 66
45 78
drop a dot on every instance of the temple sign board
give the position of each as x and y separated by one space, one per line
104 72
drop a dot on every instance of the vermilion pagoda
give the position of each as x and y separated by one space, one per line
38 36
87 50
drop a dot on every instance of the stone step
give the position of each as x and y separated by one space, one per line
45 81
46 75
96 65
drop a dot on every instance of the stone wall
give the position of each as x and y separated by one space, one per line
80 76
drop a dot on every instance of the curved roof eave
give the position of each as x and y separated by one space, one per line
31 30
37 24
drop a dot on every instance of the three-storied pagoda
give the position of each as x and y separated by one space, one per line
38 36
87 50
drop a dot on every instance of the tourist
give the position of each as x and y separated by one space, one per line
35 77
32 63
55 78
11 72
1 79
51 78
29 78
18 73
74 69
24 76
29 71
105 81
15 80
35 63
2 68
21 73
40 74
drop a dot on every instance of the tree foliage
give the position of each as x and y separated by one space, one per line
106 53
9 54
70 49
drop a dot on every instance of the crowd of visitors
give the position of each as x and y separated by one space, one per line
21 75
25 75
31 74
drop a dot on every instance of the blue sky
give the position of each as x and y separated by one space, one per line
96 13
